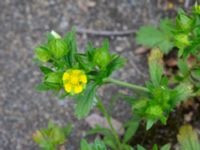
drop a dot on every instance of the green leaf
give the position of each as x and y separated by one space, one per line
183 67
110 143
149 36
103 131
195 75
132 128
155 147
84 63
149 124
57 136
42 87
153 38
139 147
98 145
54 77
126 147
85 145
166 147
45 70
42 53
49 138
47 86
116 63
188 138
70 39
155 67
184 22
167 26
85 101
183 92
68 129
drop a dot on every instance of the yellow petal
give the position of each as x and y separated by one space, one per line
76 72
74 80
66 76
78 89
83 78
68 87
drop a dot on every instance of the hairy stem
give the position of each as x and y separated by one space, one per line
109 121
125 84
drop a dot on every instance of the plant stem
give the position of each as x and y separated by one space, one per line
109 121
125 84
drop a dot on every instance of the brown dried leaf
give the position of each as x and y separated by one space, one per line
141 50
171 62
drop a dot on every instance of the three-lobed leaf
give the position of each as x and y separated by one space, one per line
85 101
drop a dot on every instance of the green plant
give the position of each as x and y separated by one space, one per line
184 34
53 136
97 145
70 73
188 138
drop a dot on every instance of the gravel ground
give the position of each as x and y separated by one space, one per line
23 24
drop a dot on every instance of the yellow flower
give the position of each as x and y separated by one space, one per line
74 81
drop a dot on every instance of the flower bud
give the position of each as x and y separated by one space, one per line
154 110
196 9
182 40
58 48
101 57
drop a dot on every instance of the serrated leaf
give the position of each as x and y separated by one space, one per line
85 101
149 36
167 26
183 92
153 38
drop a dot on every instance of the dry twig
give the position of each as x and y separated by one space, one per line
105 33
